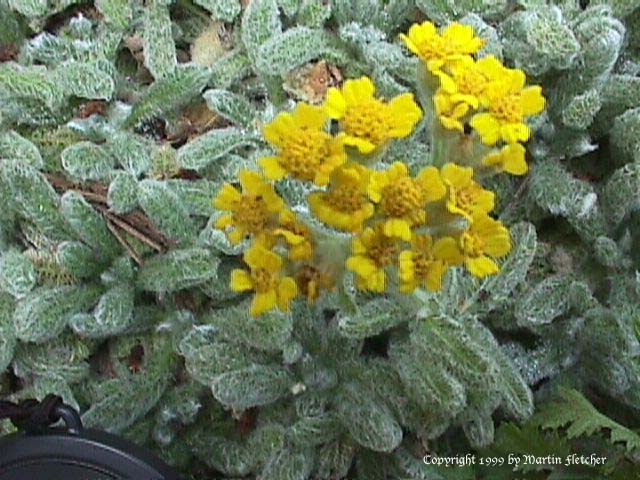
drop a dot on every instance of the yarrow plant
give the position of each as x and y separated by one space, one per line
392 229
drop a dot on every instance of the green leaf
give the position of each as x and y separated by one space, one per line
170 92
368 419
251 387
18 275
159 47
34 197
288 465
284 52
131 151
576 413
232 107
122 196
166 210
512 271
117 12
15 146
224 10
7 331
177 270
87 161
206 149
261 20
546 301
85 80
112 316
43 314
89 225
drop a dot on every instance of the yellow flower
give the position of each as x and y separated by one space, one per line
485 238
466 196
305 150
373 252
427 263
463 88
252 211
456 42
368 122
508 103
265 278
510 159
402 199
297 235
345 205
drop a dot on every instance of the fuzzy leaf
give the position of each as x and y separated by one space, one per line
208 148
43 314
159 47
87 161
231 106
251 387
224 10
15 146
178 270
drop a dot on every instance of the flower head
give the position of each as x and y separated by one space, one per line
253 211
462 89
305 150
485 238
402 199
345 205
439 50
466 196
508 104
427 263
297 235
369 123
266 279
373 252
510 159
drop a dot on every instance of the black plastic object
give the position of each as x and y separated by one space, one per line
74 453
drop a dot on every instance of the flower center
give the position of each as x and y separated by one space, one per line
471 82
422 264
508 108
264 280
471 245
401 198
305 152
464 198
383 251
367 120
346 198
253 214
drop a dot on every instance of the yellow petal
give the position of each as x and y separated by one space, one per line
487 127
514 159
451 123
228 198
457 176
405 113
432 185
263 302
406 267
435 274
290 237
309 116
446 249
358 90
287 291
481 267
361 265
446 83
532 101
397 228
241 281
335 104
363 146
224 222
515 132
272 168
251 182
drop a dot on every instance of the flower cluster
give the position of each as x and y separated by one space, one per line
492 98
394 229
